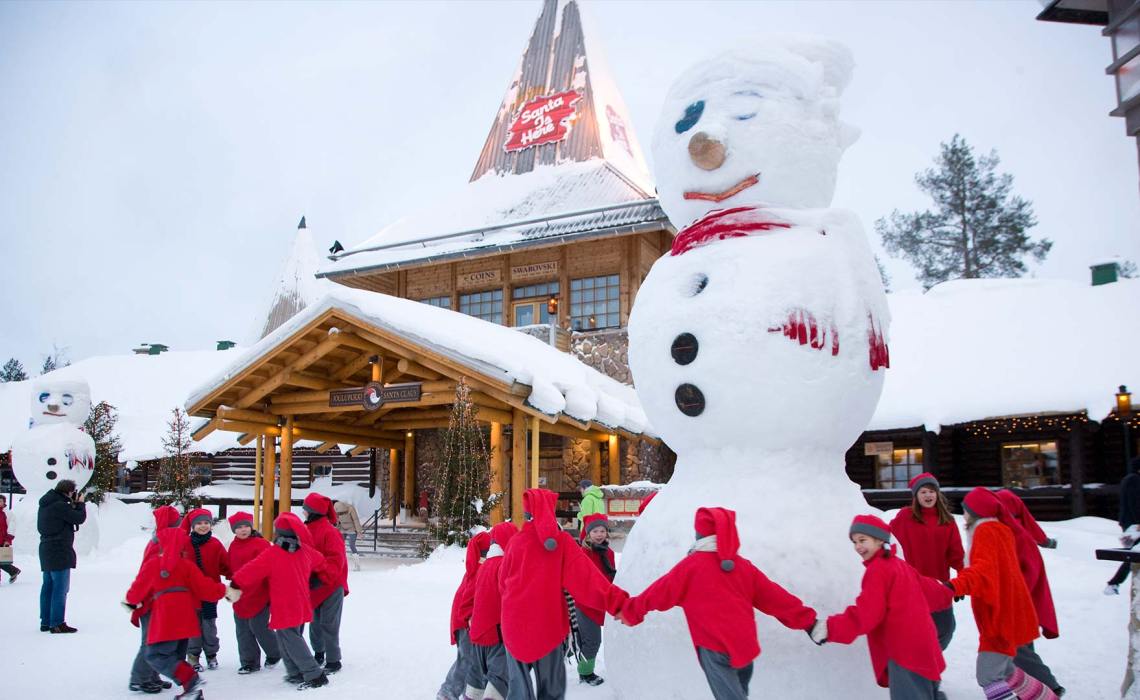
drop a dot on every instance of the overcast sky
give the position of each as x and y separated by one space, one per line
155 157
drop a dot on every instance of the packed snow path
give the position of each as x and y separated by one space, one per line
394 630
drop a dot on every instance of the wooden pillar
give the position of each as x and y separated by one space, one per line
1077 460
615 461
259 445
410 471
595 462
285 497
497 469
534 442
518 464
394 482
269 462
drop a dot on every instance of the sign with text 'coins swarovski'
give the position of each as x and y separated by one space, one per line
373 395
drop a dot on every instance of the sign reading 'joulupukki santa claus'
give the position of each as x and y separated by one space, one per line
545 119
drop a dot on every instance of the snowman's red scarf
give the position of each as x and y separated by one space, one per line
720 224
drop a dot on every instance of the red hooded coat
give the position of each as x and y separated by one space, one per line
932 549
287 574
488 604
174 586
215 561
894 612
718 591
327 540
1031 562
242 552
542 561
464 599
164 517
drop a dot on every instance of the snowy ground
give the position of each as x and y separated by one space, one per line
395 628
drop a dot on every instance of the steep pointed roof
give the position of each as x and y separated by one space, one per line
296 286
561 160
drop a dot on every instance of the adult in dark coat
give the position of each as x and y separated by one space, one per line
1129 516
61 513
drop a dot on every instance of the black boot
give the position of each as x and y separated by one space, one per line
591 679
318 682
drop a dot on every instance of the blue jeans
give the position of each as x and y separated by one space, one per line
53 597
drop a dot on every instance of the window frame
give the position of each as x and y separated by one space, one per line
1013 466
466 301
584 300
911 465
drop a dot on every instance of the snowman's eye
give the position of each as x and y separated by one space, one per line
692 115
44 397
744 117
68 399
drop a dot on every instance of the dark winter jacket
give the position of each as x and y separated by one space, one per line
57 521
1129 501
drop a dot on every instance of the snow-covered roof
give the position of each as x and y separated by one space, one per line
296 286
144 389
576 179
973 349
558 382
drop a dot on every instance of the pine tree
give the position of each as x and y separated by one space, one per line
1126 270
100 425
977 228
13 371
56 359
883 276
462 484
174 484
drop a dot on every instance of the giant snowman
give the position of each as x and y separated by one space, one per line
55 447
758 347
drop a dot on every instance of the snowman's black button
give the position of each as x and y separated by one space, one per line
51 475
684 349
689 400
51 461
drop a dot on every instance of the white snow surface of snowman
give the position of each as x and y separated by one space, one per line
758 346
55 448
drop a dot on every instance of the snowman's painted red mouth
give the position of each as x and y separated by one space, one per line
57 415
720 224
730 192
802 326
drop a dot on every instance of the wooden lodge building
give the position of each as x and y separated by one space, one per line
552 238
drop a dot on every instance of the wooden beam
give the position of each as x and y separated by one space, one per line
228 413
235 426
428 424
353 341
295 397
518 465
497 470
615 460
410 472
572 432
358 450
394 482
285 503
351 367
210 426
312 407
415 369
342 429
258 467
281 377
534 444
246 438
267 483
325 447
595 462
309 381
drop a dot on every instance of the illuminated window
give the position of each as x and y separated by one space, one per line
894 471
1028 464
594 303
530 306
443 302
485 305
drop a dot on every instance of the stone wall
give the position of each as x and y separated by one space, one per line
606 351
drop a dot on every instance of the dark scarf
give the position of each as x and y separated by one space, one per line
601 549
209 611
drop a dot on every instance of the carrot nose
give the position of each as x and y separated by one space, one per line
706 152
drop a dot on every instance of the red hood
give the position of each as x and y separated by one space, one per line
477 546
289 521
539 503
166 516
502 534
722 523
316 503
172 545
1018 510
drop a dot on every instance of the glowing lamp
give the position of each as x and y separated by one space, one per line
1124 402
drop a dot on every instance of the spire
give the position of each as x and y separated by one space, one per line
302 224
561 105
296 286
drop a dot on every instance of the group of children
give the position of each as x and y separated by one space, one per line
510 618
275 589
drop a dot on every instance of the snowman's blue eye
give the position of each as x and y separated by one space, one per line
68 399
44 397
692 115
744 117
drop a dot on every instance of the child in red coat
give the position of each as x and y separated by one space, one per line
6 539
462 604
328 597
930 543
174 587
288 568
251 613
487 672
1000 599
596 543
718 590
893 610
211 557
541 562
144 678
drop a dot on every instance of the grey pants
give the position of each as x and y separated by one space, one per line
141 671
944 625
1028 660
324 632
253 632
164 657
908 685
453 683
549 677
488 671
208 642
591 636
296 655
725 682
993 668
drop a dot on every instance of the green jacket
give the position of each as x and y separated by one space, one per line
592 502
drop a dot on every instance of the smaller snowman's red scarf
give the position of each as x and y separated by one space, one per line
720 224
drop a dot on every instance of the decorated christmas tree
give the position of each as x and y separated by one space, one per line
100 426
463 498
174 485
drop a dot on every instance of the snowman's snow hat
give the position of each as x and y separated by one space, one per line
722 523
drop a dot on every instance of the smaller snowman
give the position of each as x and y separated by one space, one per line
55 447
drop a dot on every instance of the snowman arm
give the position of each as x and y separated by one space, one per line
866 614
773 599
